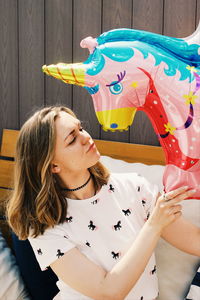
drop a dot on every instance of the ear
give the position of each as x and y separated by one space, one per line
55 168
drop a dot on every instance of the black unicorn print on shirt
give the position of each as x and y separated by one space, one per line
95 201
111 188
91 226
59 253
148 215
118 226
115 255
69 220
126 212
143 202
88 244
39 251
153 271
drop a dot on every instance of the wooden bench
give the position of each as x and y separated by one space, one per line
7 150
128 152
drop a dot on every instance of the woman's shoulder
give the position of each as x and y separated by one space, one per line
54 231
126 180
131 177
132 181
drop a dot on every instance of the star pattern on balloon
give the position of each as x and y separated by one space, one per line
169 128
190 98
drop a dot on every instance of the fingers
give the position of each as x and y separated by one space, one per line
177 215
174 193
184 195
171 213
174 209
167 208
175 196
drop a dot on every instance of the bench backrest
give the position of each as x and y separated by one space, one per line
7 153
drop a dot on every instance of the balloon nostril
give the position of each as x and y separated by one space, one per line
113 125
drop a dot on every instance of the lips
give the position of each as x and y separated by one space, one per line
91 146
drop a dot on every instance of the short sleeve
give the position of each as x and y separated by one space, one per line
50 246
148 194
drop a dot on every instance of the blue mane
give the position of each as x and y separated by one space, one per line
164 49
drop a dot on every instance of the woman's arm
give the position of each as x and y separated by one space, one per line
183 235
76 270
83 275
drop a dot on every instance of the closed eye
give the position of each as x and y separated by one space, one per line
120 78
74 137
73 140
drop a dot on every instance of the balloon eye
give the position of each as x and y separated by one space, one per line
116 88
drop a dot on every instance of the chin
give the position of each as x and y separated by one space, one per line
95 160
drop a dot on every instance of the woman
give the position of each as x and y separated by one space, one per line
97 231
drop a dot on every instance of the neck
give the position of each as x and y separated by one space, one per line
75 181
84 193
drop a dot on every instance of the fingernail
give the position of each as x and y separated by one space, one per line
192 191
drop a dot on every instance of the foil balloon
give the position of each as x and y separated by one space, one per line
129 70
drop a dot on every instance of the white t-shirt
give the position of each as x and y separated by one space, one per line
103 228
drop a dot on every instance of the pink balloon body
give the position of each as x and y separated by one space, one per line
129 70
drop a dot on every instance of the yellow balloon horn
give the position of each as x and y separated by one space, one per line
69 73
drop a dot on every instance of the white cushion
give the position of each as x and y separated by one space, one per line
11 284
176 269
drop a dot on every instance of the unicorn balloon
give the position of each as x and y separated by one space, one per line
129 70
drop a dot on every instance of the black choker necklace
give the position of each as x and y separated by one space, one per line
78 188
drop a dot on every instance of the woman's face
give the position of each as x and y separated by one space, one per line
75 150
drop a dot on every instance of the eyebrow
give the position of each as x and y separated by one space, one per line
72 132
120 78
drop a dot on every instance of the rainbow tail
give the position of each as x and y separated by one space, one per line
194 38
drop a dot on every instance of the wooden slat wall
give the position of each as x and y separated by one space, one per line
58 47
37 32
31 56
86 22
116 14
9 66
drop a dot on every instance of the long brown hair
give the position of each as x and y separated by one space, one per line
37 201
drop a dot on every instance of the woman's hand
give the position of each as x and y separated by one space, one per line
167 208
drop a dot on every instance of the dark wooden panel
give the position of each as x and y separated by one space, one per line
179 17
8 65
87 22
142 132
116 14
58 48
31 56
198 13
147 15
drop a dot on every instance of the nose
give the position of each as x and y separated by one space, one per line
85 137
